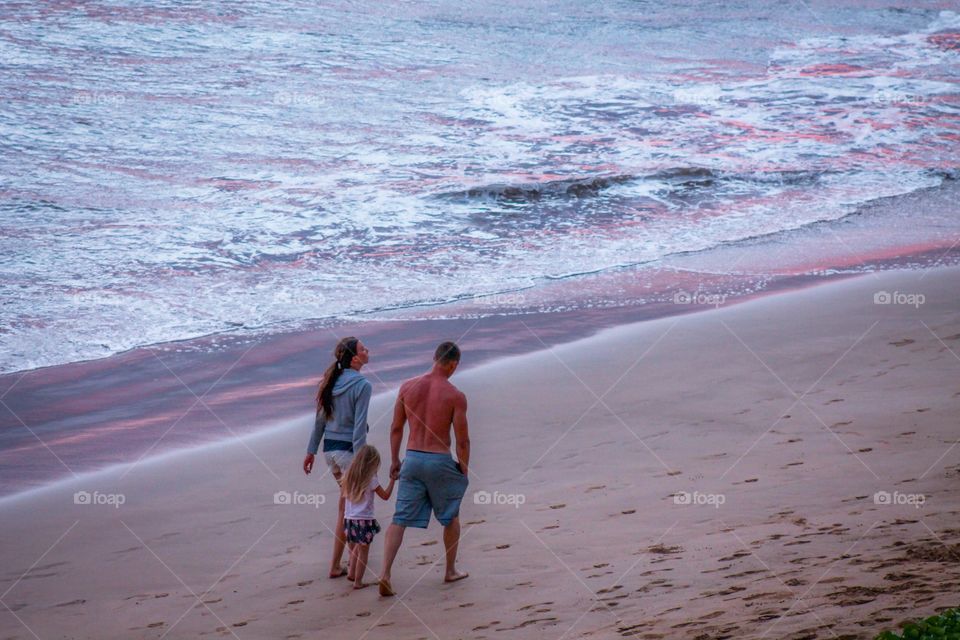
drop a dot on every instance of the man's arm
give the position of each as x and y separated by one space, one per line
396 434
461 432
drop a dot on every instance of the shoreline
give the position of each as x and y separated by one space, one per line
92 415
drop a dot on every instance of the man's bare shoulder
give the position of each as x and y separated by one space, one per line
457 396
407 384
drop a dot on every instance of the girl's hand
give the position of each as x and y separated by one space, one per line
385 493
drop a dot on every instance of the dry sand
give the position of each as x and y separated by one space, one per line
780 418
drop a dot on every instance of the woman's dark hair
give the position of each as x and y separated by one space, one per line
343 354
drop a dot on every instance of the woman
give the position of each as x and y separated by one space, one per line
343 398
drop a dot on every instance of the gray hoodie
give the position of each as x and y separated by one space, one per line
351 398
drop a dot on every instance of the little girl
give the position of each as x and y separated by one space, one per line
359 526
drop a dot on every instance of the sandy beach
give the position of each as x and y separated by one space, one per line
781 468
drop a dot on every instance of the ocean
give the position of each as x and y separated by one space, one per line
171 170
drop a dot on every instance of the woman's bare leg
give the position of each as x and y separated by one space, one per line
336 570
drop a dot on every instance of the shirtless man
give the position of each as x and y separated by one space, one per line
430 480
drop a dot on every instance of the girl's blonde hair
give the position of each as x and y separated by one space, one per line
366 462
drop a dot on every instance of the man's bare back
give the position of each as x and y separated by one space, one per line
430 403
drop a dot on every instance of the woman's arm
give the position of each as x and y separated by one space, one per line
319 425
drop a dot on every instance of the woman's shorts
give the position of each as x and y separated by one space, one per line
338 462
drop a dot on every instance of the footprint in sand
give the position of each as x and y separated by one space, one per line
664 549
69 604
596 488
486 626
902 343
143 596
168 535
558 506
615 587
527 607
128 550
154 625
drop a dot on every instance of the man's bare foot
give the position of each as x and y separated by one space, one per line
385 589
361 585
455 576
339 573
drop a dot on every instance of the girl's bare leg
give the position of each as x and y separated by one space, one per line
352 561
362 552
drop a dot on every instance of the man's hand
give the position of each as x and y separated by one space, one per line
308 463
395 470
462 467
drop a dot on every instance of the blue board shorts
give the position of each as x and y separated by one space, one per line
428 482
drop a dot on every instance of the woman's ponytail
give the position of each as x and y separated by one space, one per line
343 355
